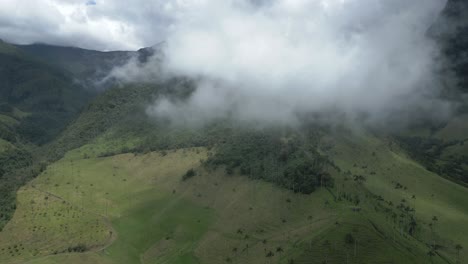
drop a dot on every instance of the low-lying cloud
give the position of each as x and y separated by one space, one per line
272 61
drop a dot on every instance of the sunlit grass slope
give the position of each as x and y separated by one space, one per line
137 209
156 217
440 206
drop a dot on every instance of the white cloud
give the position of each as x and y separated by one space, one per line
259 59
104 25
272 60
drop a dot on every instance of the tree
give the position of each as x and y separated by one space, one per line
412 226
431 254
434 220
349 239
189 174
458 247
270 254
279 250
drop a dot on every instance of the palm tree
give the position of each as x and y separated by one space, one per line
269 255
458 247
235 250
412 225
327 250
279 250
355 247
431 254
434 220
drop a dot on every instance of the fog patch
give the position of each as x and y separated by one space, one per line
276 61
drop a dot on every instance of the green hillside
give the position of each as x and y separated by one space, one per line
88 176
442 150
35 87
137 208
247 201
37 101
149 214
88 67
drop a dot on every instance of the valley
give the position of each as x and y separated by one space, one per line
249 153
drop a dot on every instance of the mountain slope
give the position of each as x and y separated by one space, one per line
47 93
214 217
36 103
138 209
451 30
88 67
114 185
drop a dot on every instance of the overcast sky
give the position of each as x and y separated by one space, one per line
117 24
93 24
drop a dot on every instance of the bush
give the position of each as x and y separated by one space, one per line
78 248
349 239
189 174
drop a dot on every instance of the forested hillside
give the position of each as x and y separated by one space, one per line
37 101
89 174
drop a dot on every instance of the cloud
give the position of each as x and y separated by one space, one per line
267 60
143 66
101 25
272 61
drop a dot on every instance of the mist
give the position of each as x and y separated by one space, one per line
274 61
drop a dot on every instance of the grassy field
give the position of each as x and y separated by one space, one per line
399 180
137 209
156 217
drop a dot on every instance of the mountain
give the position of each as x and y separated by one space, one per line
133 189
442 147
37 101
43 89
451 30
88 67
87 176
47 94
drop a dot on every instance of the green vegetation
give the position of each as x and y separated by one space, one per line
407 195
148 215
123 188
12 159
120 112
98 181
89 67
37 102
189 174
149 206
444 151
289 159
87 202
46 92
